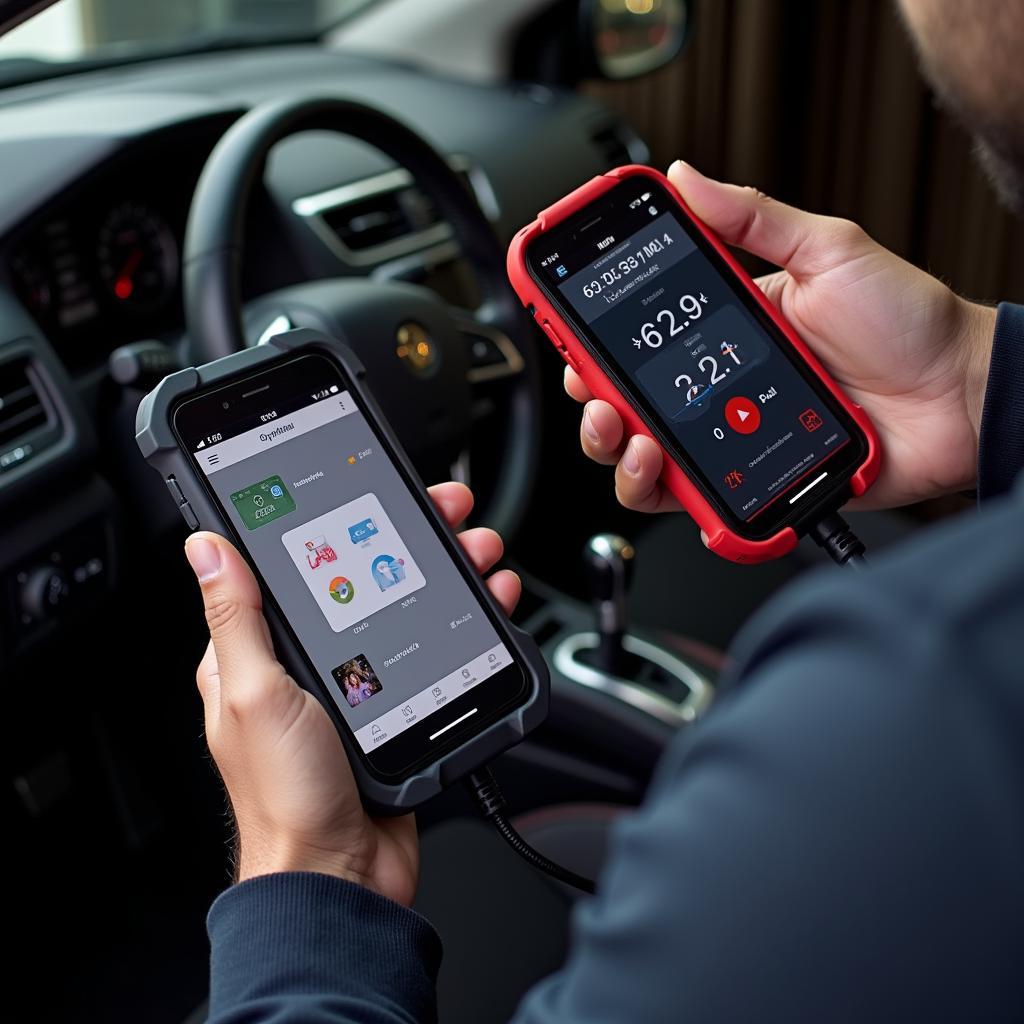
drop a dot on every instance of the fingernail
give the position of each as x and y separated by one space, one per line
589 429
631 458
204 557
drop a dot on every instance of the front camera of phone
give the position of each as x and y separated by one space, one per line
227 405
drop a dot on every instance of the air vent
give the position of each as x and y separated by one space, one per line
382 218
388 215
25 417
618 145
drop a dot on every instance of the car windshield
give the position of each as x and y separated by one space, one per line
73 32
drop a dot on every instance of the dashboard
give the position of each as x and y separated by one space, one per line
99 172
101 267
92 221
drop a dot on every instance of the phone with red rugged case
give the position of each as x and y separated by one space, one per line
652 311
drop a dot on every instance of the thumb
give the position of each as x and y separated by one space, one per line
804 243
233 605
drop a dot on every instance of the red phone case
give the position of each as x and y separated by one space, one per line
720 538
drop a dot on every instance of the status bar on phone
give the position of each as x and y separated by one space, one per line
274 432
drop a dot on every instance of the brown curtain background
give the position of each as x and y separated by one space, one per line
820 103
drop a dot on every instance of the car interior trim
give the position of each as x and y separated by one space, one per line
674 713
312 208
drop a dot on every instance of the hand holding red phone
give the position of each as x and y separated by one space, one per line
653 312
909 350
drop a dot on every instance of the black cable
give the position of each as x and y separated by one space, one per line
486 794
844 547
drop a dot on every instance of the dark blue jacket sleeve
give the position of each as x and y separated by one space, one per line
841 839
314 949
1001 441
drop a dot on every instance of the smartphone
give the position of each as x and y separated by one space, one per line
372 596
656 316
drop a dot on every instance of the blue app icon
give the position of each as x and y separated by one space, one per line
276 490
361 531
387 571
560 270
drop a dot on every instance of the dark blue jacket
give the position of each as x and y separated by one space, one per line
841 839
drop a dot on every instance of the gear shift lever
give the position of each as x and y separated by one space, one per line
642 673
608 560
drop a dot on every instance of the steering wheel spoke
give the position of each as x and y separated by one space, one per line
493 355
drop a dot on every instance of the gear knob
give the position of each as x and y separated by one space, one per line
608 560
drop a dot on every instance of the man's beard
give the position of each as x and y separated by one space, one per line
1004 172
998 146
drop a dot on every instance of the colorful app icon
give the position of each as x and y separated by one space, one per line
263 502
811 420
384 570
319 551
361 531
387 571
341 590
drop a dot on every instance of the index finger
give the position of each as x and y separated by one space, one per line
575 387
453 500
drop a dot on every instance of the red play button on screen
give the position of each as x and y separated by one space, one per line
742 415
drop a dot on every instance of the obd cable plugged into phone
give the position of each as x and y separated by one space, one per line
844 547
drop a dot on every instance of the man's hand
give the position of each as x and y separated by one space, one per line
292 791
899 342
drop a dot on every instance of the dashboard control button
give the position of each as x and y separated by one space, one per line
44 592
142 364
485 352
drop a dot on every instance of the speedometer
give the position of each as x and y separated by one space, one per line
32 283
138 257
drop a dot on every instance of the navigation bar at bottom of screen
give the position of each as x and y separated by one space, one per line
433 697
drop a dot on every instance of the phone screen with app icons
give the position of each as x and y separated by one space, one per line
384 614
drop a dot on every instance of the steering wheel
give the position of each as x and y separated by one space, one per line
417 350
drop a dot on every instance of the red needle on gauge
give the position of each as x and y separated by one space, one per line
124 286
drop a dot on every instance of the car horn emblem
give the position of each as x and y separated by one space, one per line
416 349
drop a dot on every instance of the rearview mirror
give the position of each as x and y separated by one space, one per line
629 38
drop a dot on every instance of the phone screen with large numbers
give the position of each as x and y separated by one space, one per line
724 390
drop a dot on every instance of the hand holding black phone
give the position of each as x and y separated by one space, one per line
373 605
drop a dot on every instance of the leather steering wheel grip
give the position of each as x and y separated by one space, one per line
214 240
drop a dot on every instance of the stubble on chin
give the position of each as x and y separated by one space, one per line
1005 174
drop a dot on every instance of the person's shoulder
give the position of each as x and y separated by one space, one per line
955 591
854 805
842 664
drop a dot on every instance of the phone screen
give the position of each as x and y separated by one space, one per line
366 582
718 383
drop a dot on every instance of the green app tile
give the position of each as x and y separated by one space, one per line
262 503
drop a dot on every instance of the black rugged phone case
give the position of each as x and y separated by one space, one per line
156 441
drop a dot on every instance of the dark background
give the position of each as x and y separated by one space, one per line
822 105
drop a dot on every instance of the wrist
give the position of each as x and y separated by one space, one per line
265 856
976 334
